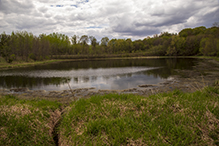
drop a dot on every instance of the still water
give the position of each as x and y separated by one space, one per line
101 74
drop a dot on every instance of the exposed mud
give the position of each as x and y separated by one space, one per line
203 74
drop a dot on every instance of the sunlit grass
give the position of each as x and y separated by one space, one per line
174 118
26 122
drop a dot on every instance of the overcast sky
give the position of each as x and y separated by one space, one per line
134 19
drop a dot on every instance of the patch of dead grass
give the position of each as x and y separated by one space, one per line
53 120
3 133
18 110
138 142
213 122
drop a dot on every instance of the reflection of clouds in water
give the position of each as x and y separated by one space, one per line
114 74
109 78
122 81
114 82
134 81
97 82
77 73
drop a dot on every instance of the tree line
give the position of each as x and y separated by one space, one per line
21 45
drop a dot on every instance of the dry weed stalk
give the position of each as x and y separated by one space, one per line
72 92
198 85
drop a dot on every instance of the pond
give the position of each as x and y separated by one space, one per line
101 74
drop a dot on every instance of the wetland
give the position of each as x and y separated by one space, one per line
38 111
90 77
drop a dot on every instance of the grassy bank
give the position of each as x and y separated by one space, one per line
173 118
5 65
207 57
27 122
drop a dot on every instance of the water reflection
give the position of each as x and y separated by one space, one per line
123 81
76 73
105 74
31 82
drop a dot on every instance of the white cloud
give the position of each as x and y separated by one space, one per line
134 19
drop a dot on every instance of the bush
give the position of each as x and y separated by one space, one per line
32 56
209 46
11 58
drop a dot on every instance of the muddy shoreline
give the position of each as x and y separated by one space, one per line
203 74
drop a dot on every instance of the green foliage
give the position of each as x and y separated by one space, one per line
189 42
191 32
93 41
166 34
199 30
185 32
32 56
209 46
84 40
104 41
11 58
159 50
192 45
172 49
181 46
74 39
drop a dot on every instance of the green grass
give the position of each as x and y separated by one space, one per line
207 57
174 118
5 65
26 122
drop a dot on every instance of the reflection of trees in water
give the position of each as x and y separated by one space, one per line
180 63
101 64
171 63
85 79
75 79
161 72
125 75
114 63
21 81
166 70
93 78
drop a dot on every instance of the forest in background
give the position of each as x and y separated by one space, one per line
25 46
